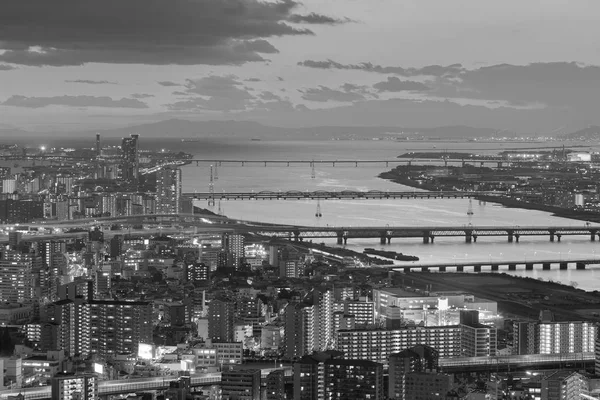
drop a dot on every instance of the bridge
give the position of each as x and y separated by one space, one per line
493 265
341 195
495 162
428 234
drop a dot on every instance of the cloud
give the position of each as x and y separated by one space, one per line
5 67
430 70
169 83
314 18
324 94
215 93
72 101
253 80
160 32
394 84
90 82
141 96
268 96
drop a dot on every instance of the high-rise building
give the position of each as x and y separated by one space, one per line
324 376
300 329
426 386
75 386
564 385
234 246
416 359
363 311
197 272
275 385
477 340
378 344
20 211
168 191
98 146
323 300
241 384
536 337
17 276
73 322
130 163
220 320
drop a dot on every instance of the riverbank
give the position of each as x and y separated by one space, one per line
587 216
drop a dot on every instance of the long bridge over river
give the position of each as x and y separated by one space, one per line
339 195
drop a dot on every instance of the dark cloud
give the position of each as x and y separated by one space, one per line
169 83
314 18
141 96
91 82
324 94
5 67
160 32
431 70
280 79
253 80
394 84
72 101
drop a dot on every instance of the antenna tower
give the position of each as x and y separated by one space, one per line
318 214
216 173
313 173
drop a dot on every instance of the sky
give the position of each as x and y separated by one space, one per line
530 66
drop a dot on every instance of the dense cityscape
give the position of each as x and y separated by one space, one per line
299 200
112 282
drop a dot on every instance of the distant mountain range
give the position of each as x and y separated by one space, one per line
180 129
590 133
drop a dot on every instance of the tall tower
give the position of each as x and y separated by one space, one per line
220 320
168 191
130 164
98 146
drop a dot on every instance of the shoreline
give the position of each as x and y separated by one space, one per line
586 216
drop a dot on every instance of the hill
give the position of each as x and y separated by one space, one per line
592 132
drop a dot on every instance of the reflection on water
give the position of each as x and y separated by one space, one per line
400 212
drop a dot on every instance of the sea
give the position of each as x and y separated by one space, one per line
398 212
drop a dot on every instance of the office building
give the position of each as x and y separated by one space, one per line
477 340
221 315
75 386
69 326
130 158
324 376
168 190
323 300
98 146
241 385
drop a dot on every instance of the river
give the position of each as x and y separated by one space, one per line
407 212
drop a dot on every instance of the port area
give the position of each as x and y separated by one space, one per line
517 297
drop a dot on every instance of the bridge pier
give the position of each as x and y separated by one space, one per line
558 236
517 236
442 269
529 266
495 267
563 266
468 236
510 236
593 235
406 269
552 236
432 238
382 239
512 267
499 164
426 236
340 238
296 236
477 268
424 269
474 238
580 265
546 266
460 268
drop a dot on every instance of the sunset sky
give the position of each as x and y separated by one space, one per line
524 65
